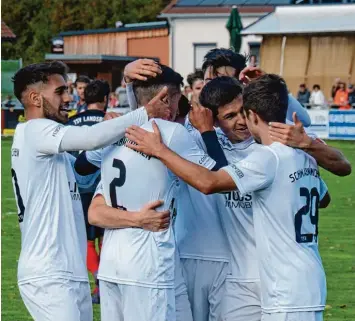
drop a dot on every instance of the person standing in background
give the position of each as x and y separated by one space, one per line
351 95
80 84
341 98
121 94
317 98
303 95
195 81
335 87
253 61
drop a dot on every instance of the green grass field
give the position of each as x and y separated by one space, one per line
336 230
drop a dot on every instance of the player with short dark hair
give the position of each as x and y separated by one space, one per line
288 226
220 61
195 81
80 84
96 97
144 90
52 275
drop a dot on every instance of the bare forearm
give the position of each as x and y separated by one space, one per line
107 217
329 158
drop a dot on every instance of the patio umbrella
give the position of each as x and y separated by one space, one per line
234 26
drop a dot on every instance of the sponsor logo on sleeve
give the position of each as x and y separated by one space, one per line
57 130
203 160
237 171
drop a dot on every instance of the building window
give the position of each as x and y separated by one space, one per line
254 50
200 50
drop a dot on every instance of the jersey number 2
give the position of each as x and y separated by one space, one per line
18 197
117 182
312 199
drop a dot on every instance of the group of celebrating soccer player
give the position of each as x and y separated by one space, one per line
210 210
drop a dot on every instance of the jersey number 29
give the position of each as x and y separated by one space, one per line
117 181
311 209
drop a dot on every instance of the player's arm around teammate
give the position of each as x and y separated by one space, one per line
100 214
330 158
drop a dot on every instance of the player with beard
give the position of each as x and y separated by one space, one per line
52 275
96 97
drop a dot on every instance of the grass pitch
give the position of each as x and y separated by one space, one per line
336 240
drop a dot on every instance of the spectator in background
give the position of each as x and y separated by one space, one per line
187 92
341 98
253 61
121 95
70 87
303 95
113 101
317 98
351 95
80 84
195 80
9 103
335 87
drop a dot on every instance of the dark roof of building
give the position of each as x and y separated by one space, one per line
6 32
93 59
221 6
125 28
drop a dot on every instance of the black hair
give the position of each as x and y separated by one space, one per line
220 57
317 86
96 91
267 96
184 106
36 73
84 79
146 90
219 92
191 78
303 85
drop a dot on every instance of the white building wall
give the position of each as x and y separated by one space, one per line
185 32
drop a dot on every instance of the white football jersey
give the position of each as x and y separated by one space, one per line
130 180
286 190
198 228
237 217
53 235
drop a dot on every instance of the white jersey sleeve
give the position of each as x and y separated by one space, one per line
47 135
323 189
131 97
99 189
182 144
95 157
195 134
295 106
255 172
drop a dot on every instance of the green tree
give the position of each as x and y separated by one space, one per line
35 22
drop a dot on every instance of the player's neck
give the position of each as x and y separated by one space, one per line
95 107
264 134
33 114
